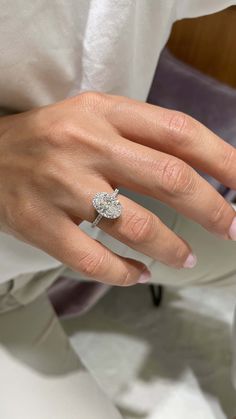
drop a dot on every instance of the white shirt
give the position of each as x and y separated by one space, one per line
52 50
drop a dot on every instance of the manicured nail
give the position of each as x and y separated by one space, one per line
144 277
232 230
191 261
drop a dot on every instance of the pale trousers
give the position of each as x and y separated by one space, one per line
41 375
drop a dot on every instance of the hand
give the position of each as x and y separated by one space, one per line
55 158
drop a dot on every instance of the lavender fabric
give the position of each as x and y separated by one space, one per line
71 297
176 86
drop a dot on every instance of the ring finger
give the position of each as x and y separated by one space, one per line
137 227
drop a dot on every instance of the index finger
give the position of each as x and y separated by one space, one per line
177 134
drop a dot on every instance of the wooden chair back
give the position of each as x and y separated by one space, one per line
208 43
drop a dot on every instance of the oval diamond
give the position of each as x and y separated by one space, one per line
107 205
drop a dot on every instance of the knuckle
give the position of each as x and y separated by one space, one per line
60 133
23 218
218 214
50 135
181 254
90 99
177 121
44 167
56 129
138 229
176 177
228 159
67 135
181 128
118 105
126 279
92 264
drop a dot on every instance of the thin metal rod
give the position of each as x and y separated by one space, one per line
157 294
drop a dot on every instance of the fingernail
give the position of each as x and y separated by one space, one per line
144 277
232 230
191 261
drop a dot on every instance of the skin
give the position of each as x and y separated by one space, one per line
54 159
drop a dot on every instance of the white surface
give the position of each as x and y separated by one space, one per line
168 363
68 47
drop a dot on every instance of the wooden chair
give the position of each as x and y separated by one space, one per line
208 43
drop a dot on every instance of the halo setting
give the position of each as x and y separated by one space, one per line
107 205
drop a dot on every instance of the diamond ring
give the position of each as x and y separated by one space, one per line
106 205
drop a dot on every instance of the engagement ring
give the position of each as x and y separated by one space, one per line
106 205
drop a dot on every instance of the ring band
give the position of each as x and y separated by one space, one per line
106 205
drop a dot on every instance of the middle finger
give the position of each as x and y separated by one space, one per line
137 227
170 180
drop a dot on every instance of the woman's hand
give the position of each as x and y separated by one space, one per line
55 158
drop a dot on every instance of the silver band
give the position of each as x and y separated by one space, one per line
106 205
97 219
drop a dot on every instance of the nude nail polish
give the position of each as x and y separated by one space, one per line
232 230
144 277
191 261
